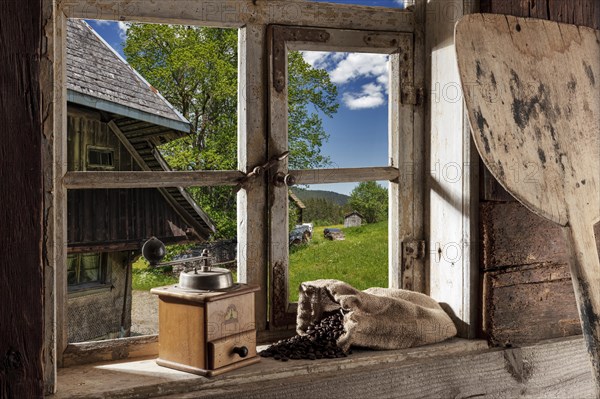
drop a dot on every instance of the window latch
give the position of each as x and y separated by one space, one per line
260 169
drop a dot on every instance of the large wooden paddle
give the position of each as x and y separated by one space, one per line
532 91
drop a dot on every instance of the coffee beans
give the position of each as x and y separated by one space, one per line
318 343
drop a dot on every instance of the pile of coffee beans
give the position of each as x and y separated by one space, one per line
318 343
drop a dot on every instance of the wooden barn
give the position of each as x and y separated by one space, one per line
494 201
353 219
115 121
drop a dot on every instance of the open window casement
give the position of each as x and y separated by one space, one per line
402 99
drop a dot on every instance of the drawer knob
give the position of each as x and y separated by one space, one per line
241 350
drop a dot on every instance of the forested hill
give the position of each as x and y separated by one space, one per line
336 198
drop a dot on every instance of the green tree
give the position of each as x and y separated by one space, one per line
195 69
371 200
324 212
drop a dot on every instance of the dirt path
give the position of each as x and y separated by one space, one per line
144 313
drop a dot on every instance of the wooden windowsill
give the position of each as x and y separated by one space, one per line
456 368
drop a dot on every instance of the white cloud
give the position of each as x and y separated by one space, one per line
371 96
357 65
315 58
347 70
322 59
102 22
123 28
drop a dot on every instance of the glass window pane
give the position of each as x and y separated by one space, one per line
89 275
90 268
72 269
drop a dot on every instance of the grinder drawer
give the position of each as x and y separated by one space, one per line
231 349
229 316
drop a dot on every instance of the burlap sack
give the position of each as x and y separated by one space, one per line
377 318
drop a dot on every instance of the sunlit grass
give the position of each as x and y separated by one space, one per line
145 277
361 259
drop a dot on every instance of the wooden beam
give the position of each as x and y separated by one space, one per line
144 166
238 13
126 245
211 227
353 41
343 175
127 144
151 179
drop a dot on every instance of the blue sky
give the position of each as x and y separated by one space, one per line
358 132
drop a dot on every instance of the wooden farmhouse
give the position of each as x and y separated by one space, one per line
115 121
353 219
82 187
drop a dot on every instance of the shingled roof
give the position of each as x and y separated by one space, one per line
99 78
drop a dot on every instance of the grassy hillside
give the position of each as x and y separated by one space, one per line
336 198
361 260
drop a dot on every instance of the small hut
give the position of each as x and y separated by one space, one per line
353 219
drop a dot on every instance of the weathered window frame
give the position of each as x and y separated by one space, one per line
101 151
402 99
252 19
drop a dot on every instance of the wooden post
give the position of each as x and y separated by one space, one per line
21 171
451 174
54 150
252 151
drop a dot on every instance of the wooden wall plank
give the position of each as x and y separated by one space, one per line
21 176
577 12
526 283
512 235
515 240
93 220
528 304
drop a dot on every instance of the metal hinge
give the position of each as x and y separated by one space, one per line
283 34
413 249
411 95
